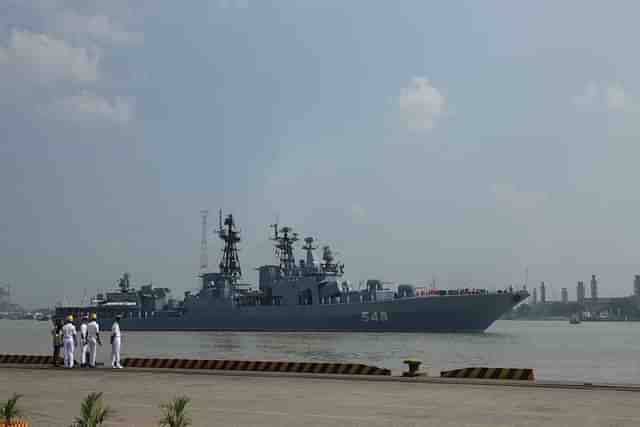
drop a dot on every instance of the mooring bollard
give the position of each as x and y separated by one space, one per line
414 366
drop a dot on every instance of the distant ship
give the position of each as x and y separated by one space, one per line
306 296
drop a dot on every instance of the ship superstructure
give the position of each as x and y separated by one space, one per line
127 301
311 295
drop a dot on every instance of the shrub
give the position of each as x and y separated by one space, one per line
93 412
10 411
175 413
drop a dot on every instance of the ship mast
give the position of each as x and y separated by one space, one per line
285 238
230 235
309 248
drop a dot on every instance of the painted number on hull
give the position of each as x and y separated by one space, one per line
374 316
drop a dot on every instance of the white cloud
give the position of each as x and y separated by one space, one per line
589 96
52 59
357 211
45 58
421 105
99 28
610 97
617 99
509 198
234 4
87 107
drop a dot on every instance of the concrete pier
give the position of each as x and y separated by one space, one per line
52 398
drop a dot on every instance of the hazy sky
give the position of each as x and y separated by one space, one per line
465 140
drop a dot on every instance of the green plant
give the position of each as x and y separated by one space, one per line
10 411
93 412
175 413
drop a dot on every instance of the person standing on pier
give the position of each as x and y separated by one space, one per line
115 343
56 334
93 339
69 341
84 344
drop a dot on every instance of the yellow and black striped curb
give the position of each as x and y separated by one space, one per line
259 366
27 359
490 373
14 424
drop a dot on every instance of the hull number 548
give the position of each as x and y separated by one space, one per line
374 316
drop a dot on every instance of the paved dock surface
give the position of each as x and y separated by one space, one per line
52 398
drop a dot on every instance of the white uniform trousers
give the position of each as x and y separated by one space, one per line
115 353
68 352
93 347
83 355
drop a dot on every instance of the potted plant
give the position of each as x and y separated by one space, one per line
93 412
10 413
175 413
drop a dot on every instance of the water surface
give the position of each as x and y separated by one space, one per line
596 351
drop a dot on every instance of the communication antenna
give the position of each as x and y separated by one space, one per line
552 292
204 255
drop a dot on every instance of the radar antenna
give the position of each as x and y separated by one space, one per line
329 265
124 283
309 247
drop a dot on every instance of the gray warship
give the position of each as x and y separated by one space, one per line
309 295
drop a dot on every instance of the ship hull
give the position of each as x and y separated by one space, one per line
467 313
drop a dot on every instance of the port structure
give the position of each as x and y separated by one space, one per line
285 238
230 262
5 294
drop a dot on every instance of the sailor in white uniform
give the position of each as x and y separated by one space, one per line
115 343
68 341
84 344
93 339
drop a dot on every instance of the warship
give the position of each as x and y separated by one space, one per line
308 295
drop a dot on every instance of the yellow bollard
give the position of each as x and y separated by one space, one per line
414 366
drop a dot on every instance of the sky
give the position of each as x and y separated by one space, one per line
466 142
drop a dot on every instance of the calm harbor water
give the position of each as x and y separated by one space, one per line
597 351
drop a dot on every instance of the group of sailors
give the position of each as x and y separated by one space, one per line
85 338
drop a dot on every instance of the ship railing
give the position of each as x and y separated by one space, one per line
423 293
